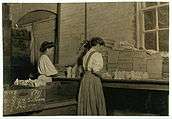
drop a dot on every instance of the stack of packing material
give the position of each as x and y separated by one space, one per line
127 60
112 59
136 61
135 75
139 60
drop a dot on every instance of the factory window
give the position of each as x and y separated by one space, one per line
154 20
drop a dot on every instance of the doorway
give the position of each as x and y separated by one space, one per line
38 26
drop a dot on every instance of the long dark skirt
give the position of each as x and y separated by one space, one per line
91 99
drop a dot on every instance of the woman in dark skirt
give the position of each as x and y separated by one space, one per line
91 97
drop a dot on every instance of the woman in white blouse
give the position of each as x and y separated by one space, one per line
46 68
91 98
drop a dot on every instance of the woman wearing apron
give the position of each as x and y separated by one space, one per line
91 97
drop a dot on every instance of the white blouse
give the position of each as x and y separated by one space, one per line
95 62
45 66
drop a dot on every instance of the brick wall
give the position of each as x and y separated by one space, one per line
72 31
112 21
19 10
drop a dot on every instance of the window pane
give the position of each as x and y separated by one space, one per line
150 19
163 16
163 40
150 40
148 4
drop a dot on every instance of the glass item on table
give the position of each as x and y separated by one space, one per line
80 72
73 71
69 72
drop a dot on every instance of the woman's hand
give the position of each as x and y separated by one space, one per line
106 76
103 75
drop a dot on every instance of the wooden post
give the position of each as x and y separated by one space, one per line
7 27
57 35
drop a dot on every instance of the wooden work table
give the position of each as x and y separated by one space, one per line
148 84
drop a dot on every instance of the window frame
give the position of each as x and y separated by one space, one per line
140 9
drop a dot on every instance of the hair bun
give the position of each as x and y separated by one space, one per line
45 45
97 40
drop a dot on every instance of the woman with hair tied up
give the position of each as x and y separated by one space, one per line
46 68
91 97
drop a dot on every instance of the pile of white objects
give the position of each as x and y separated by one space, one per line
133 75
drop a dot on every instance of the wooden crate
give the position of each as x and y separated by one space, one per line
127 60
111 67
154 66
139 64
125 64
23 100
165 68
